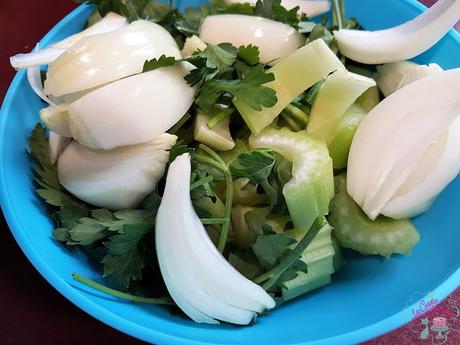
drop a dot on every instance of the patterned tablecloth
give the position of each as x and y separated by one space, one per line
32 312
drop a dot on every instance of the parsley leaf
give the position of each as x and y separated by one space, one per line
255 165
162 61
178 149
269 248
250 90
272 9
249 54
220 56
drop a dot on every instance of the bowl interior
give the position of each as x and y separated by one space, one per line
369 296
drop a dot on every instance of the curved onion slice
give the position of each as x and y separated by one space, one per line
115 179
132 110
400 42
35 81
396 75
57 144
439 166
311 8
388 146
275 40
103 58
110 22
192 267
57 119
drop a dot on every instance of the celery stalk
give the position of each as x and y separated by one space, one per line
353 229
218 137
340 143
293 75
338 93
319 258
311 188
369 99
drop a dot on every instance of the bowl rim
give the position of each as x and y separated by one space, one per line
80 297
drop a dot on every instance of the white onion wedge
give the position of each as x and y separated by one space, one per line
195 270
387 145
115 179
57 119
439 166
132 110
110 22
99 59
311 8
396 75
57 144
400 42
191 45
275 40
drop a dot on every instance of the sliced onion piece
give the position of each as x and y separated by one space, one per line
275 40
377 148
56 118
110 22
35 81
400 42
438 167
99 59
186 253
311 8
132 110
396 75
115 179
191 45
57 144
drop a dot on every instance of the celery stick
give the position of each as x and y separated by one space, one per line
311 188
218 137
319 258
340 143
369 99
338 93
293 75
353 229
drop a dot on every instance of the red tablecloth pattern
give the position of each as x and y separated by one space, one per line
31 311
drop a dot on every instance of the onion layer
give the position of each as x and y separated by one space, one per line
275 40
400 42
115 179
202 283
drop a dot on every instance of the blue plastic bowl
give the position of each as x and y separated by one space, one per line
368 297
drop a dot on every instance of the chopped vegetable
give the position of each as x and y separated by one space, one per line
292 75
353 229
115 179
110 22
57 144
395 135
311 188
192 44
160 98
339 91
396 75
403 41
275 40
369 99
97 60
56 118
218 137
339 144
202 283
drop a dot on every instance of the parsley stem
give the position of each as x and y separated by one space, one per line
297 113
271 192
292 124
180 123
201 182
119 294
268 279
221 116
337 12
210 221
220 164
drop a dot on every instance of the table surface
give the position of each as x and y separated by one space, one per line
31 311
